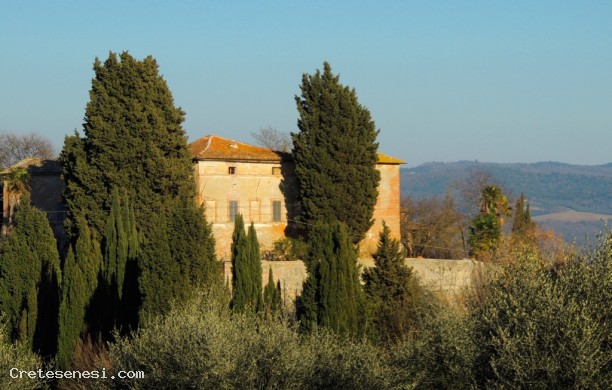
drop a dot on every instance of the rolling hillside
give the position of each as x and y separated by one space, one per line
574 200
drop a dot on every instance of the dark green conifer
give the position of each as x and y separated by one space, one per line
522 223
246 269
332 295
133 140
335 155
255 270
29 280
240 264
272 295
82 268
392 291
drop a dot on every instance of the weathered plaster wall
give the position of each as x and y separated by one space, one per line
450 279
255 186
387 208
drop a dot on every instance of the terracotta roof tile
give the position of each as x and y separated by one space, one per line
386 159
213 147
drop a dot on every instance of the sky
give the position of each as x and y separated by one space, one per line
493 81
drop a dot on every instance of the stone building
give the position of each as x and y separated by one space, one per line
234 177
231 177
45 186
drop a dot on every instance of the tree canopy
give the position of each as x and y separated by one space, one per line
334 150
133 142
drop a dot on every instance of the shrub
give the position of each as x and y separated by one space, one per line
17 356
545 327
202 345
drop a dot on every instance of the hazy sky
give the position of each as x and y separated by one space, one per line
499 81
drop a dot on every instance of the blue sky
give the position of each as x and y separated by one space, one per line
499 81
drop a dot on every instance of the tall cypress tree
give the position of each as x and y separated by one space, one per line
246 269
522 223
332 294
255 270
133 140
240 265
82 270
272 295
29 279
335 154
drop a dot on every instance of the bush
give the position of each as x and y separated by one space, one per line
440 357
17 356
545 327
286 249
202 345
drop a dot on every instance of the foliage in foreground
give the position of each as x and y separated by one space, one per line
537 325
17 356
202 345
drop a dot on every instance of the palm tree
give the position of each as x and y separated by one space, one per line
17 181
493 201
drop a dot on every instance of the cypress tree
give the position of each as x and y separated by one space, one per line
522 223
29 280
133 140
246 269
78 310
120 246
392 290
160 280
335 155
272 295
240 264
332 294
193 244
255 270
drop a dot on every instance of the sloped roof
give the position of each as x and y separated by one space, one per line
213 147
36 165
386 159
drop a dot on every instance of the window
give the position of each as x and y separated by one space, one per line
233 210
276 210
231 170
276 171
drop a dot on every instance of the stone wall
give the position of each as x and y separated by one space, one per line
447 278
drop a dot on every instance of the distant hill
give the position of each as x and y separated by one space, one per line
573 200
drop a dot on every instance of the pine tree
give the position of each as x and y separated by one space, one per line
332 295
335 155
29 280
392 290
